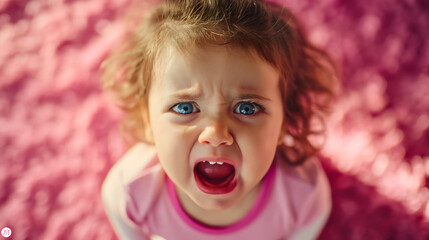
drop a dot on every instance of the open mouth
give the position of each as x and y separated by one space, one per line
215 177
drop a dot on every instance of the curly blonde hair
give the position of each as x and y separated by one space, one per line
306 73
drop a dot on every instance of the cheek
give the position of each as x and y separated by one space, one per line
268 131
168 130
171 153
259 144
173 142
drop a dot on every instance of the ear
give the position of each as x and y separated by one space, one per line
147 129
282 136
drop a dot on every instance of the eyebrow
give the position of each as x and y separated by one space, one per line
193 96
252 96
185 96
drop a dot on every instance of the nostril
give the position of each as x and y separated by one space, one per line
215 141
215 137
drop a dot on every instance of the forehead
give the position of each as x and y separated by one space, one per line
214 66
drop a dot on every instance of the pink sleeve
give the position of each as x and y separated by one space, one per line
313 204
115 201
115 192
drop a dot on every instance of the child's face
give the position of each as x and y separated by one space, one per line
217 104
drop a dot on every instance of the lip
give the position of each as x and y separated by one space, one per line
216 190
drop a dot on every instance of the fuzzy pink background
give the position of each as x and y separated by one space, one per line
59 134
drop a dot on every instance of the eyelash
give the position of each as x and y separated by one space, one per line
258 108
194 106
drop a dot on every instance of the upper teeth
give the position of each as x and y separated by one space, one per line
212 163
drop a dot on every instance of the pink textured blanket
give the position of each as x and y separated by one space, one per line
59 134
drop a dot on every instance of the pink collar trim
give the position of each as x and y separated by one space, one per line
263 196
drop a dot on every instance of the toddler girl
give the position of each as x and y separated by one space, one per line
220 96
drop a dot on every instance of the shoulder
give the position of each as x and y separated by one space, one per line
308 173
132 185
309 193
127 169
132 163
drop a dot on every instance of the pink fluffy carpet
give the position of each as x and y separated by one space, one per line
59 133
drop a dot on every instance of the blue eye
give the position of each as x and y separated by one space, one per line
184 108
247 108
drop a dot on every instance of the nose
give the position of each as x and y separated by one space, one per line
216 133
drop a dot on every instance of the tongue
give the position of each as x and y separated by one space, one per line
215 174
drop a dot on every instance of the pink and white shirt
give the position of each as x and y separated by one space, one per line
141 203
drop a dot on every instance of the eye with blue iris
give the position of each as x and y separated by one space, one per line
185 108
247 108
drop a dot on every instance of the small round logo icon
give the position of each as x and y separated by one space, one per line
6 232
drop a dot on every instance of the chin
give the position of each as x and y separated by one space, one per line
215 206
216 202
